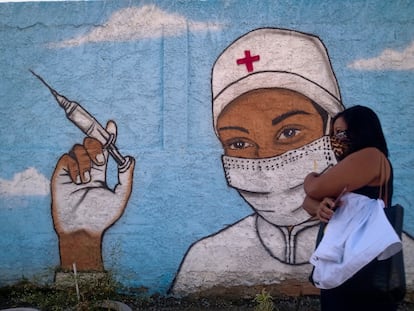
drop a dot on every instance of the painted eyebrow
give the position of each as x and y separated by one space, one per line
286 115
238 128
276 120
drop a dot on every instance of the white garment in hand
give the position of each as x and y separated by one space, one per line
358 232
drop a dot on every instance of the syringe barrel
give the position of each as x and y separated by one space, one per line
91 127
86 123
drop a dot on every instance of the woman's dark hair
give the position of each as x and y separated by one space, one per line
364 129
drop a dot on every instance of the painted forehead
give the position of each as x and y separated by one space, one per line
269 99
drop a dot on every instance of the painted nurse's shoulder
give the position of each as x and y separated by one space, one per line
241 233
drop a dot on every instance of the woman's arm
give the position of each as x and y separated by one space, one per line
359 169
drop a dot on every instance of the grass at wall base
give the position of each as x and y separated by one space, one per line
89 291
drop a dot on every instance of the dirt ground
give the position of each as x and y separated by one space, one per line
281 304
46 298
305 303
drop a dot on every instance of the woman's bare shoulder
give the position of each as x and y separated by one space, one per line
369 155
367 152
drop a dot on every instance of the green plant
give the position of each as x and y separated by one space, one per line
26 293
94 291
264 302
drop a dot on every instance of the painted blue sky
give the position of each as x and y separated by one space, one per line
152 76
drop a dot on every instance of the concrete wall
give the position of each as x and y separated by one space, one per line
169 219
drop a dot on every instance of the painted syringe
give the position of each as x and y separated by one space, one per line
88 124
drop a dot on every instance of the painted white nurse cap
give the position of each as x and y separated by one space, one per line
275 58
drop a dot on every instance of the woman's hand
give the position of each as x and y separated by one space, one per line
325 209
310 205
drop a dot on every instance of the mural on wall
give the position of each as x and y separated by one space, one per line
196 185
271 112
274 92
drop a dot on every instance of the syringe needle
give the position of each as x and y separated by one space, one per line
62 100
87 123
43 81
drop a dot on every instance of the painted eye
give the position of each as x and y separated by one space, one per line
288 133
238 145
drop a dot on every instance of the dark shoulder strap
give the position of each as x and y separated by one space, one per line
384 187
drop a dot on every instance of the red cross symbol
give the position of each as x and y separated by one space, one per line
248 60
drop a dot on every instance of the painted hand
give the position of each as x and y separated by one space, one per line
83 206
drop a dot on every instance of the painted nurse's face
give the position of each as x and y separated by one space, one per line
268 122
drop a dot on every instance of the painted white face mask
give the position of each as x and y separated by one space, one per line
274 186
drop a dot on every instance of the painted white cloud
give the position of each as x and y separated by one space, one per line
135 23
28 182
388 60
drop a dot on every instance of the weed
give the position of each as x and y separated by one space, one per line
264 302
